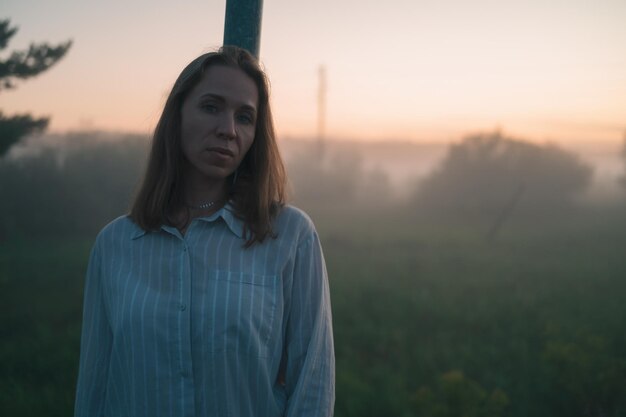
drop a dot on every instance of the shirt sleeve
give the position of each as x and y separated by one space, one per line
95 345
310 358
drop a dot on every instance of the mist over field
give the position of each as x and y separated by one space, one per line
337 172
484 277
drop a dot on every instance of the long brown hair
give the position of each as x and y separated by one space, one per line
258 185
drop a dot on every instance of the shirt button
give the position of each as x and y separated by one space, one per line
183 307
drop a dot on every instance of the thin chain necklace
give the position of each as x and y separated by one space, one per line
203 206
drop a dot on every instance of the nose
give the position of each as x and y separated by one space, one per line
226 126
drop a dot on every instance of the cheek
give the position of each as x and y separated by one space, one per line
192 126
249 138
248 143
246 147
189 137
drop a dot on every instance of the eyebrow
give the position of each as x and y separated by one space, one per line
222 99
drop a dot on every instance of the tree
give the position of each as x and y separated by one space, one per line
489 172
21 65
340 177
62 178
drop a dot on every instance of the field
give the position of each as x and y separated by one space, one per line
430 317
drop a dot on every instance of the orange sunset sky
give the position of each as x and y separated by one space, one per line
397 69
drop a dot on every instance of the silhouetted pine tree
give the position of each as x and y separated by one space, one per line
21 65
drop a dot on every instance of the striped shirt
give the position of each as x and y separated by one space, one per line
197 325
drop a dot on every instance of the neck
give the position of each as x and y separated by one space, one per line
201 198
200 190
198 194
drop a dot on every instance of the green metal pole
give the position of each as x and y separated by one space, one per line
242 25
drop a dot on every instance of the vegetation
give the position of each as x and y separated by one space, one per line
430 318
489 171
21 65
69 190
339 177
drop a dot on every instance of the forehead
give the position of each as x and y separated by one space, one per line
228 83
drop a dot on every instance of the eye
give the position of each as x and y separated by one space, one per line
245 118
209 107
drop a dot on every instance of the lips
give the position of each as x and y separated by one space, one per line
222 151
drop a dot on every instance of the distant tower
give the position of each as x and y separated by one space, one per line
321 111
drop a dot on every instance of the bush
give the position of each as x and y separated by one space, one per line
487 172
72 189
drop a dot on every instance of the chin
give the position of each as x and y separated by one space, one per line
218 174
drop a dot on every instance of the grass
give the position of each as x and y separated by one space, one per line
40 295
537 313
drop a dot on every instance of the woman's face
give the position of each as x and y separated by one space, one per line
218 123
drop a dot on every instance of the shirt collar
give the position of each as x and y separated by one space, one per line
227 213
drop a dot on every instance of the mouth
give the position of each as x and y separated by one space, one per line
221 151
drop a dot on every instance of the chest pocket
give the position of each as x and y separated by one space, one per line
243 312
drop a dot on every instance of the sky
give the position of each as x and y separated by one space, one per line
397 69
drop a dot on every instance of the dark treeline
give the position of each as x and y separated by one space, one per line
73 189
77 187
486 289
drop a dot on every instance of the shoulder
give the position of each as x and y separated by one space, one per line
293 220
120 229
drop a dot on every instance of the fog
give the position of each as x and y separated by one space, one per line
77 182
406 164
484 275
107 166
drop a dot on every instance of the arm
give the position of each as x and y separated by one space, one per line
310 359
95 345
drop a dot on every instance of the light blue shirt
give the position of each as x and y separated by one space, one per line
197 325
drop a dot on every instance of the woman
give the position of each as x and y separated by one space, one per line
211 298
